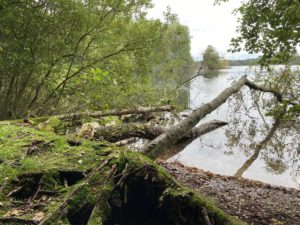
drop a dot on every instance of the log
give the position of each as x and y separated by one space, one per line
156 147
98 114
130 131
115 133
196 132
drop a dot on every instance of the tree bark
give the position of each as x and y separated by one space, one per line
257 87
190 137
116 133
156 147
125 134
137 110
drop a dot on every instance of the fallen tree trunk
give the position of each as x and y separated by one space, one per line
116 133
156 148
190 137
137 110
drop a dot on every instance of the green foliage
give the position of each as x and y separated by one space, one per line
268 27
212 61
211 58
65 55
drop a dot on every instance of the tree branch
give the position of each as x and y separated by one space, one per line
156 147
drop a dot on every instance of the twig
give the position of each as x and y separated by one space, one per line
17 220
205 215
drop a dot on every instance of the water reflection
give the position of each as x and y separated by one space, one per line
252 145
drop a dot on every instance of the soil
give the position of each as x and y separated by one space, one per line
254 202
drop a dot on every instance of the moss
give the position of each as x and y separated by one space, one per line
149 178
51 181
85 197
194 200
109 120
14 161
155 183
54 124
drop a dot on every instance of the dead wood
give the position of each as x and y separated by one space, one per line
117 133
16 220
195 133
137 110
156 148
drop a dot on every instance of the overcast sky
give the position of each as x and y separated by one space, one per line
209 24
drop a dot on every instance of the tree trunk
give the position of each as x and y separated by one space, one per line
115 133
190 137
137 110
156 147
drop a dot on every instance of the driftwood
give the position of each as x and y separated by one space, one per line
157 147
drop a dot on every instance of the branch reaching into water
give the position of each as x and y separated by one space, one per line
156 148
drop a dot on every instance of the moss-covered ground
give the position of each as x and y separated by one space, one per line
49 178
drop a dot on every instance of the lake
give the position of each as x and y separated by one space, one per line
224 151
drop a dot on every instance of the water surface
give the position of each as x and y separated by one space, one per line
225 150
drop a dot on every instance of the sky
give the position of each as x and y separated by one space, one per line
209 24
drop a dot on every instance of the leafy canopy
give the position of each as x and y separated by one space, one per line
270 27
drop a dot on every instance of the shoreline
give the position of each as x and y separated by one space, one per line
252 201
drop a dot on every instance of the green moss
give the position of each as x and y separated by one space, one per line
109 120
14 161
85 197
219 216
50 180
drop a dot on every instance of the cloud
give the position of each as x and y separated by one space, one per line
209 24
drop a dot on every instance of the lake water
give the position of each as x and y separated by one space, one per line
225 150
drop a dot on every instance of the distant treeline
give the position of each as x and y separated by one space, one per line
247 62
252 62
244 62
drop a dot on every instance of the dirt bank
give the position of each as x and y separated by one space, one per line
254 202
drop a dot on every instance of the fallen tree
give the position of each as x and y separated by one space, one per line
169 138
137 110
115 133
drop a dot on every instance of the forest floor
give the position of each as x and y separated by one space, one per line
254 202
